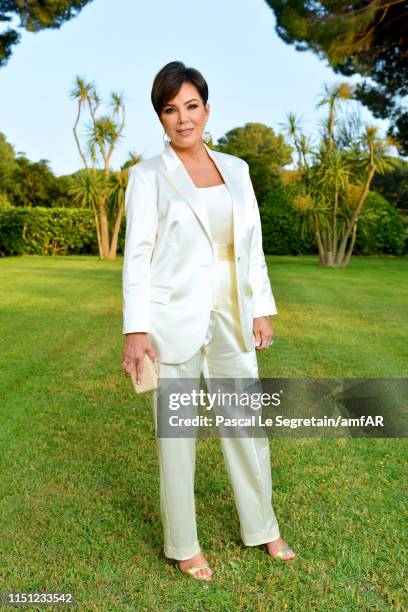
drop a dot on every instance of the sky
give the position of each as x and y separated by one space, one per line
253 76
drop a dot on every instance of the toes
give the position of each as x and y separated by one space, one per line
203 573
290 555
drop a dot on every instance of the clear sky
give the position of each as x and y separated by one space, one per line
252 74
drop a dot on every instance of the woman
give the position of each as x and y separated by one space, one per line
196 293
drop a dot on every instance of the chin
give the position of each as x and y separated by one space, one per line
186 142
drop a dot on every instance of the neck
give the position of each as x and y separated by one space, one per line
195 153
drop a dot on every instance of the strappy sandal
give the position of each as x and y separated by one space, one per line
192 570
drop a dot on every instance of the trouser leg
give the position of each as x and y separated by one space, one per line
248 464
176 458
247 459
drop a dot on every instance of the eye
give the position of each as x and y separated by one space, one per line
190 106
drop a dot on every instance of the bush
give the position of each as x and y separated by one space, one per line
280 235
26 230
4 202
381 228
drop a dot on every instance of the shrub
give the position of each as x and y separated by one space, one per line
26 230
280 234
381 228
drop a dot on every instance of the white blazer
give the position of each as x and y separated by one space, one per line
168 278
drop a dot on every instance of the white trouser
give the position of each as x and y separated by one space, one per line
247 459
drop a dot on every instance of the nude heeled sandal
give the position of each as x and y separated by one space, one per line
192 570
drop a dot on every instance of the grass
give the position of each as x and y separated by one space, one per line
79 487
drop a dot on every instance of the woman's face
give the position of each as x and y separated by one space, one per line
185 116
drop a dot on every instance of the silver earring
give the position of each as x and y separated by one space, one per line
166 140
206 136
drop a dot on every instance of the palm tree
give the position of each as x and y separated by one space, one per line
374 158
86 188
336 180
102 136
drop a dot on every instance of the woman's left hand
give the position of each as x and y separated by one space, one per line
263 333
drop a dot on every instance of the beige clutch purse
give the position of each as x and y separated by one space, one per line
149 377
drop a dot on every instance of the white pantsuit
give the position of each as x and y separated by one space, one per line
224 350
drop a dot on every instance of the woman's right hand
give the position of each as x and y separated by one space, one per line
136 345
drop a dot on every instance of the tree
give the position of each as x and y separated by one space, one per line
27 183
102 190
262 149
393 185
34 15
33 183
367 37
336 178
7 165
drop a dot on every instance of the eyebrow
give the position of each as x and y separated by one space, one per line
188 101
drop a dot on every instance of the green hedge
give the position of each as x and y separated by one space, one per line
71 231
26 230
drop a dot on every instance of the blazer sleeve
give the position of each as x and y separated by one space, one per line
263 300
141 227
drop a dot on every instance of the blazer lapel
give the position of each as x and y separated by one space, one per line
177 174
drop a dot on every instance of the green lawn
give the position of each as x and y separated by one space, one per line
79 478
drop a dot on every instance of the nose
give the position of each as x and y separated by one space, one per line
181 118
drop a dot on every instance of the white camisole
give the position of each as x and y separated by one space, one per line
218 203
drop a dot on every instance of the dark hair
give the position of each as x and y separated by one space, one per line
170 78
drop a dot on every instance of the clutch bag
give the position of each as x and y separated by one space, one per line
149 376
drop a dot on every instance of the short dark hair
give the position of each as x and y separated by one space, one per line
168 81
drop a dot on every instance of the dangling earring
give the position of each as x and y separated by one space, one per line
166 140
206 136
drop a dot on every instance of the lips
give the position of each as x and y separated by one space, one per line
185 132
